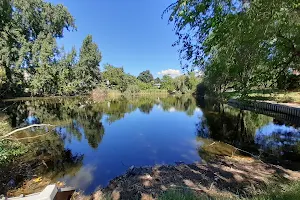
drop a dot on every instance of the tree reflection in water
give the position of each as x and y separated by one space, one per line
259 134
80 119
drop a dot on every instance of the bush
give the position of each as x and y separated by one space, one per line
99 92
288 82
10 150
132 89
144 86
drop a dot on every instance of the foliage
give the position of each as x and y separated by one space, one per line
157 80
26 28
2 77
288 82
115 77
143 85
167 83
10 150
44 78
67 80
183 83
180 84
30 59
145 76
87 70
132 89
192 81
240 44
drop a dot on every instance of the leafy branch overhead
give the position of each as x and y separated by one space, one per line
240 44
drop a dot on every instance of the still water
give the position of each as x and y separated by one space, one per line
98 141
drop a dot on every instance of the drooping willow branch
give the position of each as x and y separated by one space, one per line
21 129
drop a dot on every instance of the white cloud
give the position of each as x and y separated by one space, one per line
170 72
82 179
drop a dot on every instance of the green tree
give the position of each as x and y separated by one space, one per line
157 80
192 81
115 77
23 23
167 83
145 76
143 85
87 70
130 79
44 80
241 44
67 81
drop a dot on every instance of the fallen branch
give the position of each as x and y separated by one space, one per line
21 129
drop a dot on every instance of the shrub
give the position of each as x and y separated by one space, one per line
132 89
10 150
144 86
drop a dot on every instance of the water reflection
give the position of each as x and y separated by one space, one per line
264 136
279 141
98 141
83 178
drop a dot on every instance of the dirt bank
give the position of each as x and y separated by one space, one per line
225 176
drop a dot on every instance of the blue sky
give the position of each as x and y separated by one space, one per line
129 33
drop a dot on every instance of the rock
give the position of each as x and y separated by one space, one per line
11 183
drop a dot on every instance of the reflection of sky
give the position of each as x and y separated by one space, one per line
82 179
273 135
138 139
172 109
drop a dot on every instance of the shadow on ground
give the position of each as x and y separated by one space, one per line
228 177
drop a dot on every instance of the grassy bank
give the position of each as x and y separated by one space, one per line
100 93
284 192
269 95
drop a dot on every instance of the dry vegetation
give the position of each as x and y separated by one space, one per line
225 177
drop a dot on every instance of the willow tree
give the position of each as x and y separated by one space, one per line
239 43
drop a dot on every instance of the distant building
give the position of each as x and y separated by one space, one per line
158 85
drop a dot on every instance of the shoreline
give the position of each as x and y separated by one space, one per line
221 177
225 177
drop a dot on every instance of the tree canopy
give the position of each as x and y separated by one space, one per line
241 44
88 66
145 76
27 30
31 61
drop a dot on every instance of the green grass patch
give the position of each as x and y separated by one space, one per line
284 192
182 195
268 95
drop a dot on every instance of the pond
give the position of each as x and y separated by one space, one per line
98 141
